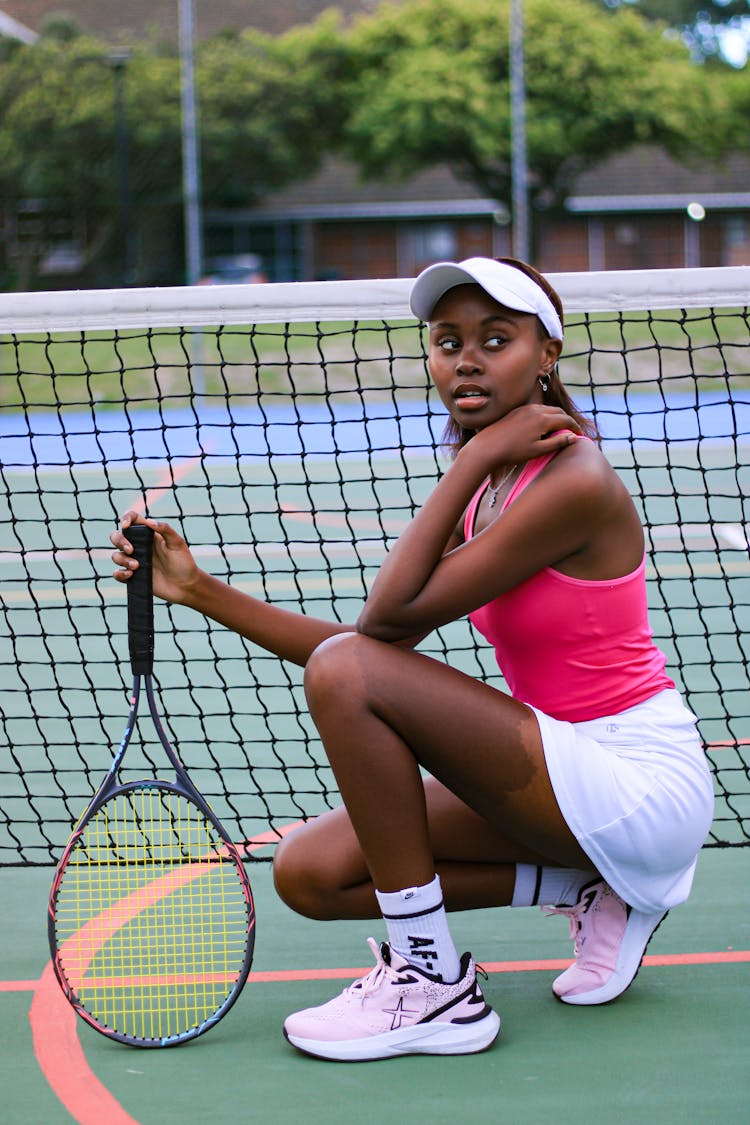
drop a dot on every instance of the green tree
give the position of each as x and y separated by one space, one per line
429 84
268 110
684 13
699 21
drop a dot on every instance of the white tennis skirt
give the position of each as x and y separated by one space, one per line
637 793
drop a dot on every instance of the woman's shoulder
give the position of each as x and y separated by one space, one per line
582 456
582 470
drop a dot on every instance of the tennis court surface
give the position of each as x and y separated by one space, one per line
673 1048
291 444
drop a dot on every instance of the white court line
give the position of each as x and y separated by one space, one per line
694 536
734 535
308 583
295 547
698 536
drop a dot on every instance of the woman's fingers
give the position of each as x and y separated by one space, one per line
121 556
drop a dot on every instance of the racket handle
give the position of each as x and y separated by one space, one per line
141 602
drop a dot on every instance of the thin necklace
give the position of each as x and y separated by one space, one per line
494 491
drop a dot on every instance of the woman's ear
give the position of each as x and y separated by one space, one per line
550 352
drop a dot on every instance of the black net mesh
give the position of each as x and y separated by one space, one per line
289 455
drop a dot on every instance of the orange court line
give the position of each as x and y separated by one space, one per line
54 1022
272 976
54 1027
722 957
169 478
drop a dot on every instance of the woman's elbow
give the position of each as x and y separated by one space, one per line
370 625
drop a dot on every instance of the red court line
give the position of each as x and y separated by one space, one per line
167 480
62 1060
280 976
54 1027
722 957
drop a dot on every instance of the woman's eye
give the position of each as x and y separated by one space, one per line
495 341
448 343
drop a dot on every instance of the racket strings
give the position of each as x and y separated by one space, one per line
153 914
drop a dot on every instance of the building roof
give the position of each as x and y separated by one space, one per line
14 29
114 20
646 178
642 179
338 192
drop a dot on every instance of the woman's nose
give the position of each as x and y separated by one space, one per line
468 360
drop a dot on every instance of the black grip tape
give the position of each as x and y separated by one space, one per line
141 602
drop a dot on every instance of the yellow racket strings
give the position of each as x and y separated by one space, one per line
151 916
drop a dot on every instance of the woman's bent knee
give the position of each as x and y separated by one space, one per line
300 880
335 662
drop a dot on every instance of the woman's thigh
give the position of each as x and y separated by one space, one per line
483 746
328 849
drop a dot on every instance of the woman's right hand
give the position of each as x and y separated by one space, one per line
174 569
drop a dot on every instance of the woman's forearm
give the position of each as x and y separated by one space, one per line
290 635
393 608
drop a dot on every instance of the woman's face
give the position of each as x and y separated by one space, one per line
484 359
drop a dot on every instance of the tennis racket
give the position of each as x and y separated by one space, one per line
151 916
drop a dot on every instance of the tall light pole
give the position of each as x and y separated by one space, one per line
191 182
118 60
518 166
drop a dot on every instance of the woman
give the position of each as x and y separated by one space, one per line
583 789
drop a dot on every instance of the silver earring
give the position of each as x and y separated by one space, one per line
544 381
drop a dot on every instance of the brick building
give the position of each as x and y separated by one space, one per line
631 212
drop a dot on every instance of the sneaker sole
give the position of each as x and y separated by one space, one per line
638 933
433 1038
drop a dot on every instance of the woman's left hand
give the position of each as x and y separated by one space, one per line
528 431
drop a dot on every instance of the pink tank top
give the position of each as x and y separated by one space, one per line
574 648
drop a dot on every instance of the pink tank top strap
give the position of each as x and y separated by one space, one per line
530 472
471 511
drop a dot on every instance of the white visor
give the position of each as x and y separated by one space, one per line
509 286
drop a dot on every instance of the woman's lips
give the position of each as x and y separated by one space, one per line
470 396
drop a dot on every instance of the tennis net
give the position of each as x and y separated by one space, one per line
290 432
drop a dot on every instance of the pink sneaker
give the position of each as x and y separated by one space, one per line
610 941
397 1009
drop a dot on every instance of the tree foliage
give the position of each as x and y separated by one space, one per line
431 85
405 87
700 21
268 110
684 13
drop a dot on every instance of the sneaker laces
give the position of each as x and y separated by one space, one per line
571 913
360 989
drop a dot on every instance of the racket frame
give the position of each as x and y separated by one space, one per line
140 626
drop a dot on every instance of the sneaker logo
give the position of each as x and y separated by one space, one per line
399 1013
588 901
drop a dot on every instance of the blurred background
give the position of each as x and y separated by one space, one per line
160 142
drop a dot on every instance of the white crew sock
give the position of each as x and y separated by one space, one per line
548 886
418 929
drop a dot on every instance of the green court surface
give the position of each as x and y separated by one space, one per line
672 1049
296 500
237 716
